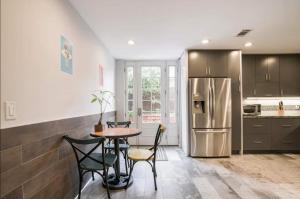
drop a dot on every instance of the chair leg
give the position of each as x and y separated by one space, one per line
131 163
154 167
93 175
80 184
126 162
154 175
106 182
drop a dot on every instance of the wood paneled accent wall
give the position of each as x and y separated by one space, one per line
37 163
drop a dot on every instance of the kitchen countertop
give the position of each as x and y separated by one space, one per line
276 114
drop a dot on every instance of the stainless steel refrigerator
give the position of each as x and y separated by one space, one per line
210 117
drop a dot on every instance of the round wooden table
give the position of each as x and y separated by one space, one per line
117 180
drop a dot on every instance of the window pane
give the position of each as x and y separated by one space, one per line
130 116
130 105
130 77
147 106
130 94
172 82
172 71
146 94
151 117
172 106
156 94
172 118
155 107
151 94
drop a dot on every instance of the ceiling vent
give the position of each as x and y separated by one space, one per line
243 32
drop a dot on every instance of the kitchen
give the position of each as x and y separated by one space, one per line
265 86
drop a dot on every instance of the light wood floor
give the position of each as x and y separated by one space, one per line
247 176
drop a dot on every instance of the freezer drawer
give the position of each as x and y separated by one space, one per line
210 142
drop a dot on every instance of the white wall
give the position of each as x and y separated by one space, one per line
120 89
184 102
30 56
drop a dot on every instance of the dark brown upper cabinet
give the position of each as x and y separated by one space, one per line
266 76
197 64
217 63
290 75
208 63
274 75
248 63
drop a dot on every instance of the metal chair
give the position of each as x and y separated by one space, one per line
148 155
124 145
91 162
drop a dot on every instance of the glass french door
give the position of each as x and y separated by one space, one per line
151 98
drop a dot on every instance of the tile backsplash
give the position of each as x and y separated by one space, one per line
271 104
275 107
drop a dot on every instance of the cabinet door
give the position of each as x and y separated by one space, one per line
267 89
267 76
286 134
273 68
261 68
234 71
217 63
197 64
289 75
248 66
257 134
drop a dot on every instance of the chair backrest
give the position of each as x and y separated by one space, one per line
160 130
125 124
75 142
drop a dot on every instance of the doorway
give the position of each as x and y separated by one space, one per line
151 97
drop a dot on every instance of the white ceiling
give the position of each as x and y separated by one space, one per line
162 29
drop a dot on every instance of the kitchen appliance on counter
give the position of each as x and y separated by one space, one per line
210 117
252 109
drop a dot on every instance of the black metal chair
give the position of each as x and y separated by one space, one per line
124 145
148 155
91 162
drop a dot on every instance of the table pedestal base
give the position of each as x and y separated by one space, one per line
115 184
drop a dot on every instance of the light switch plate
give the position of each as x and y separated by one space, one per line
10 110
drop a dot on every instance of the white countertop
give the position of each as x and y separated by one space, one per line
277 114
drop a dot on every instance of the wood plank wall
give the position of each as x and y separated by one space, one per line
37 163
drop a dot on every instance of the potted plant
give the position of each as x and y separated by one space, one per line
103 97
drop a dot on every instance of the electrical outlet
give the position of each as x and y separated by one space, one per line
10 110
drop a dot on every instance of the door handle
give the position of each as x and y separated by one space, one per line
206 71
269 76
139 112
257 142
258 125
209 70
266 76
281 91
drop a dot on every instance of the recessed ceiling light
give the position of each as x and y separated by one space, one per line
205 41
131 42
248 44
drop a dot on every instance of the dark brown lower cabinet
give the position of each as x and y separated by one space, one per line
285 134
257 134
277 134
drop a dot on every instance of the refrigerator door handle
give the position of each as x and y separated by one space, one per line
213 102
209 104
